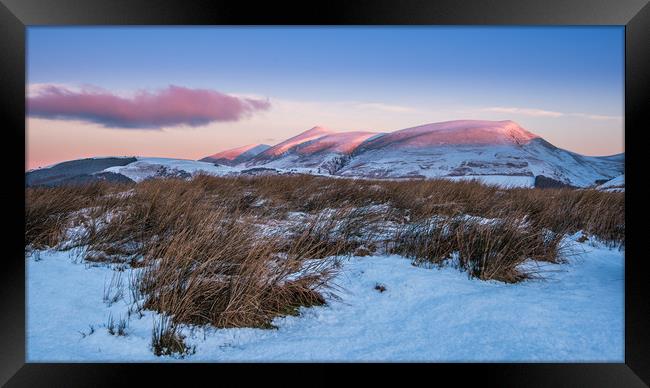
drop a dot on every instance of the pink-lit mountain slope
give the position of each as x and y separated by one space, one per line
323 152
493 151
288 144
456 133
237 155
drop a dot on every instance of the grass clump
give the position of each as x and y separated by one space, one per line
488 250
221 273
167 341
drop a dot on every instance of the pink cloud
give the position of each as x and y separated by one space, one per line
172 106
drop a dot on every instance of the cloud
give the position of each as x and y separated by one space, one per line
172 106
524 111
547 113
596 117
386 107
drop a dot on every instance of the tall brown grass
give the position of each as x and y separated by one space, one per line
230 251
49 211
562 210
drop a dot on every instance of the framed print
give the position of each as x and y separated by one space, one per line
422 185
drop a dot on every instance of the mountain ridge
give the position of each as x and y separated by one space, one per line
499 152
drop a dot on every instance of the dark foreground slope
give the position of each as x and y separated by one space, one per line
79 171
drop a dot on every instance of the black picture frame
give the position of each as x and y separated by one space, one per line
15 15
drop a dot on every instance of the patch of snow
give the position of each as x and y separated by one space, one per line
576 314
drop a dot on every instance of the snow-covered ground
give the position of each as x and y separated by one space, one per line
615 184
575 314
145 168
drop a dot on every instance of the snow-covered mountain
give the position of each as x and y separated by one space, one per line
488 150
496 152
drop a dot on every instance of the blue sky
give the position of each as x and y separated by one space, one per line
453 72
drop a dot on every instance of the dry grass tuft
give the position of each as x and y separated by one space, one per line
487 249
219 272
167 341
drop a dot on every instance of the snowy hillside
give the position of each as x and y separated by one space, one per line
145 168
615 184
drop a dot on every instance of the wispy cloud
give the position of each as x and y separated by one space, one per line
386 107
524 111
546 113
173 106
595 117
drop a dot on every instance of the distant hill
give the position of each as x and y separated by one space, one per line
78 171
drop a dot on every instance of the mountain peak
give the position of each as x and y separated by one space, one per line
310 134
457 132
338 142
317 130
236 155
233 153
